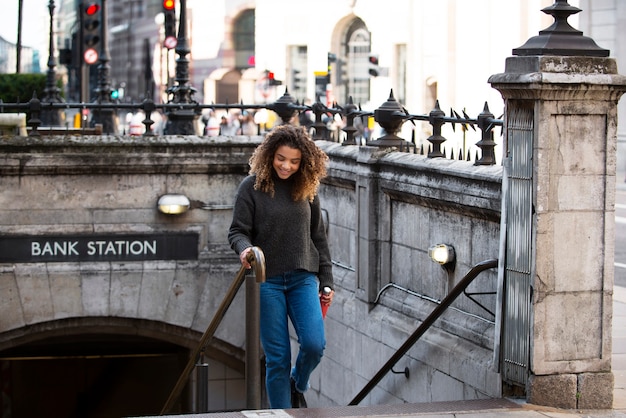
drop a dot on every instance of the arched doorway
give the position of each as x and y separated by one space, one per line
222 86
352 46
96 367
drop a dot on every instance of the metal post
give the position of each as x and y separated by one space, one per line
182 121
253 350
51 117
106 117
435 117
486 143
18 49
349 129
202 387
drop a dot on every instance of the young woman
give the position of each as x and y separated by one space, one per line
277 209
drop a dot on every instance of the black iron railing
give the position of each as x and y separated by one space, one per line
390 116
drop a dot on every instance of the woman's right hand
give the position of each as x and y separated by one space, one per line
243 256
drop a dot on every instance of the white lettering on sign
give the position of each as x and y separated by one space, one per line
56 248
94 248
121 247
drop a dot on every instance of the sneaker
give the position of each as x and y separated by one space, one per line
297 398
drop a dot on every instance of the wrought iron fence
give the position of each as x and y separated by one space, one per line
343 124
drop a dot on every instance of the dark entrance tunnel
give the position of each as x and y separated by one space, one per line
89 376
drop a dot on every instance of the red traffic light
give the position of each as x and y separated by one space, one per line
92 9
91 30
271 79
169 23
373 69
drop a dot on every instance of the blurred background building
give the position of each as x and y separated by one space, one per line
328 50
8 58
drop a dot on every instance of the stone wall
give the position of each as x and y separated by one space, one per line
90 186
385 209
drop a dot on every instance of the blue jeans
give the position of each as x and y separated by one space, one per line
293 295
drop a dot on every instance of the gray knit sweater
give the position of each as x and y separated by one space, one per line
290 234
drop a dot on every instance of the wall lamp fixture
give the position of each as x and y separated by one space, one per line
173 204
443 254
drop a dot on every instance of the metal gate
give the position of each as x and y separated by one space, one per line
517 274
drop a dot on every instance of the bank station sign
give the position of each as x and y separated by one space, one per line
34 249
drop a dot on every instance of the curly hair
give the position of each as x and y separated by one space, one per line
312 165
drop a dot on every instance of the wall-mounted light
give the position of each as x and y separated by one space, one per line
443 254
173 204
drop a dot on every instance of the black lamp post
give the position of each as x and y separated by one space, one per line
51 117
106 117
182 121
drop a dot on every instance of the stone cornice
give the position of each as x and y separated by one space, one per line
123 155
560 78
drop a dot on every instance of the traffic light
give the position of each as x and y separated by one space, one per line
272 80
372 65
331 59
169 23
115 94
296 80
91 27
65 56
342 75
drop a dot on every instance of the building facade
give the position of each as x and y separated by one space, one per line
8 58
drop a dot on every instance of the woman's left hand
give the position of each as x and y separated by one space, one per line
327 299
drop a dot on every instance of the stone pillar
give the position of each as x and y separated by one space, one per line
570 95
369 225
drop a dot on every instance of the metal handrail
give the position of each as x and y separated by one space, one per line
424 326
256 258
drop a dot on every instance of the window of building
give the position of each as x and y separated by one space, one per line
399 78
297 71
243 39
352 78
